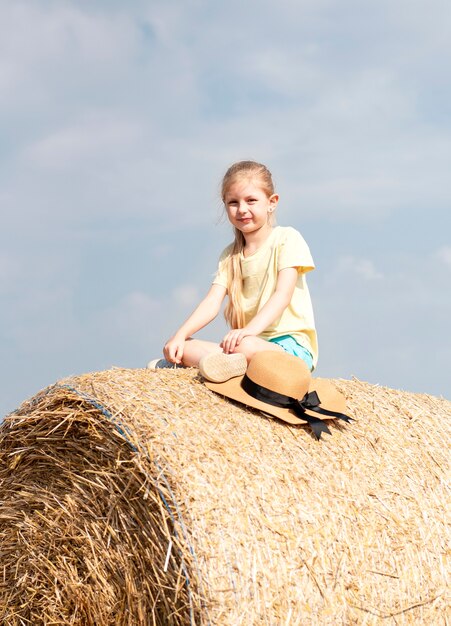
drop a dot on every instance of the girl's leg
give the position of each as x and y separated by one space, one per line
195 349
250 345
218 367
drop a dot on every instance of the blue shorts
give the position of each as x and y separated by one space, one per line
290 345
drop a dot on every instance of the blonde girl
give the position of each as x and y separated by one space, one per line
262 273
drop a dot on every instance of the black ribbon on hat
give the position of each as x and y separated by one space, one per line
310 402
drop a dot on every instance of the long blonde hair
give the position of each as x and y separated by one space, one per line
233 312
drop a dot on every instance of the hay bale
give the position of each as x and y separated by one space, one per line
131 497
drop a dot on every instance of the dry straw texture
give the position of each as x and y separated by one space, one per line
131 497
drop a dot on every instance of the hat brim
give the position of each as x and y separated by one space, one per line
330 399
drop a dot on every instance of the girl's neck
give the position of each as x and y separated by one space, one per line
253 241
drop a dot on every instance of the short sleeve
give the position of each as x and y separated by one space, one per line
294 252
221 277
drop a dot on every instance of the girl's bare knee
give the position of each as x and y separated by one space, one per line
195 349
250 345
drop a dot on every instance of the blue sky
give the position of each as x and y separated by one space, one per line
117 123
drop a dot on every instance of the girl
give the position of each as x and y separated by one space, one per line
263 274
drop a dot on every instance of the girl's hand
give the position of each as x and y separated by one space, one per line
233 339
173 350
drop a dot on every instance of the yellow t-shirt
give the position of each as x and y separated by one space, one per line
285 247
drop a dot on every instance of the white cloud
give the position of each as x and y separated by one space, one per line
49 47
392 331
9 272
444 255
362 267
186 295
84 143
41 321
130 317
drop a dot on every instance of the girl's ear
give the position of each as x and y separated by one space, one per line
273 201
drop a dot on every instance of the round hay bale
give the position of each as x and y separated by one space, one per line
131 497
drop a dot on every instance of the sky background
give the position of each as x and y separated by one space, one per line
117 122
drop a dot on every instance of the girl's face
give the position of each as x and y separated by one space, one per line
248 207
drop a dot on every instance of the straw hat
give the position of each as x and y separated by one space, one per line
280 385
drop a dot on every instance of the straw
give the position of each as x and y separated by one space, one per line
131 497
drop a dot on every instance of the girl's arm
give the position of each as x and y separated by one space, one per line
204 313
273 309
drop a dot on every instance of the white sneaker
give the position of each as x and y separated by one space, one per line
218 367
159 364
